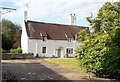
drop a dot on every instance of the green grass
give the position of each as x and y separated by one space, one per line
71 63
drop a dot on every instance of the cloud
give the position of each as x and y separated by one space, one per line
55 10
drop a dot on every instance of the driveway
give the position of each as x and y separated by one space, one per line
39 69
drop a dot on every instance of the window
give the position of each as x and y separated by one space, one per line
43 49
70 39
44 38
69 50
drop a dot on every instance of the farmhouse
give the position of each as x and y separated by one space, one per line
50 40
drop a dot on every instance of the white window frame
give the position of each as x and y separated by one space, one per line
43 50
69 50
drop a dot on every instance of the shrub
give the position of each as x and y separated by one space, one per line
3 51
18 50
100 52
12 50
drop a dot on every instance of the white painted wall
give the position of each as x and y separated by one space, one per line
35 46
24 40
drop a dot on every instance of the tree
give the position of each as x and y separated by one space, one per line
107 18
100 52
6 42
17 39
9 30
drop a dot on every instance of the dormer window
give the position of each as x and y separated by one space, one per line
75 37
44 38
70 39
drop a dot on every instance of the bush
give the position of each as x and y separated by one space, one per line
5 51
18 50
12 50
7 56
102 47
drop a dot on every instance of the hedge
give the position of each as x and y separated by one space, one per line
7 56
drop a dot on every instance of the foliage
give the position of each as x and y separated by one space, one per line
18 50
100 52
17 39
3 51
107 18
66 55
9 31
6 42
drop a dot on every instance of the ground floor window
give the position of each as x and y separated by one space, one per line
69 50
43 49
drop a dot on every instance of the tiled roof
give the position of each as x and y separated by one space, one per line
36 30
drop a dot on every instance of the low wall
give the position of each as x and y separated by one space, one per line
7 56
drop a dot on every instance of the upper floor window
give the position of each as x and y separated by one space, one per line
70 39
44 38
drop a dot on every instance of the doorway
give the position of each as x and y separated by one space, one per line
58 53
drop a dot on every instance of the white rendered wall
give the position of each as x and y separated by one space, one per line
24 40
35 46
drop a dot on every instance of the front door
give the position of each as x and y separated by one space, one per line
59 53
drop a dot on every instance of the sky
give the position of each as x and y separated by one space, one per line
52 11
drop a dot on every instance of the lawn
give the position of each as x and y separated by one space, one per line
71 63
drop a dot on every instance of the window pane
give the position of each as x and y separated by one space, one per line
69 39
67 50
43 49
71 50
